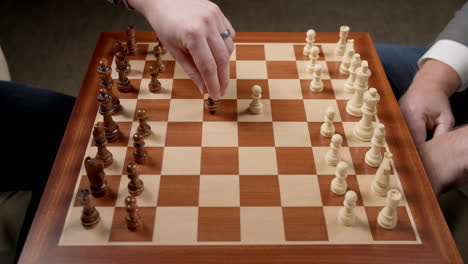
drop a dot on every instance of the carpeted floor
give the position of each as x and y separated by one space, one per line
49 43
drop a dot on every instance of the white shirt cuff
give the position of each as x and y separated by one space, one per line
452 53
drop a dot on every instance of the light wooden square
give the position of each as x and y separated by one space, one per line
164 93
285 89
257 161
299 190
338 89
369 198
179 72
291 134
157 138
322 166
149 196
251 70
137 68
175 225
351 138
358 233
304 75
231 90
243 114
116 167
262 224
219 190
315 109
279 52
150 54
186 110
329 52
220 134
126 113
181 161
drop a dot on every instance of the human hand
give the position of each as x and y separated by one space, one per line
191 32
426 106
446 159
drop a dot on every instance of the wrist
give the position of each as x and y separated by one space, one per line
436 76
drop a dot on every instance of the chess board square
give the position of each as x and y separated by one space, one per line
299 190
288 110
315 109
327 92
344 115
132 94
74 234
360 166
291 134
257 161
282 70
250 52
181 160
259 190
153 161
352 140
262 224
256 134
243 114
285 89
186 110
157 138
178 190
334 70
402 232
219 160
232 70
119 231
150 54
321 164
109 198
369 198
219 190
123 139
304 224
175 224
329 52
304 75
164 93
137 68
219 134
338 88
298 52
149 196
179 72
184 134
227 111
279 52
185 89
168 73
244 88
321 141
295 160
126 113
329 198
116 167
140 54
157 110
251 70
231 90
358 233
219 224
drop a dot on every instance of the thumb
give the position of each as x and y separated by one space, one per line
417 127
444 123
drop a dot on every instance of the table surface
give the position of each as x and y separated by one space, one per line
42 245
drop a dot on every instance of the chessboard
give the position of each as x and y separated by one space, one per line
232 186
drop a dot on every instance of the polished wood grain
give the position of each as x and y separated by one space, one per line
42 243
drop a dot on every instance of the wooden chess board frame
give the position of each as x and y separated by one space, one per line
432 239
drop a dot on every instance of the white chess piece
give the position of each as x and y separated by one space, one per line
256 106
355 63
373 156
333 155
353 107
316 84
313 56
381 181
310 39
341 44
364 129
327 129
349 54
339 185
388 217
346 215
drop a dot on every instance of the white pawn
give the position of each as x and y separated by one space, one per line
353 107
346 215
333 155
316 84
381 181
388 217
256 106
349 83
346 62
313 56
373 156
364 129
339 185
341 45
310 39
328 129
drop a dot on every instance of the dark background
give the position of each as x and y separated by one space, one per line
49 43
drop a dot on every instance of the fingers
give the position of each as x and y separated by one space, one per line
221 56
417 127
444 123
190 68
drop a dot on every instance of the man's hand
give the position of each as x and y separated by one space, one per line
425 105
446 159
191 32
